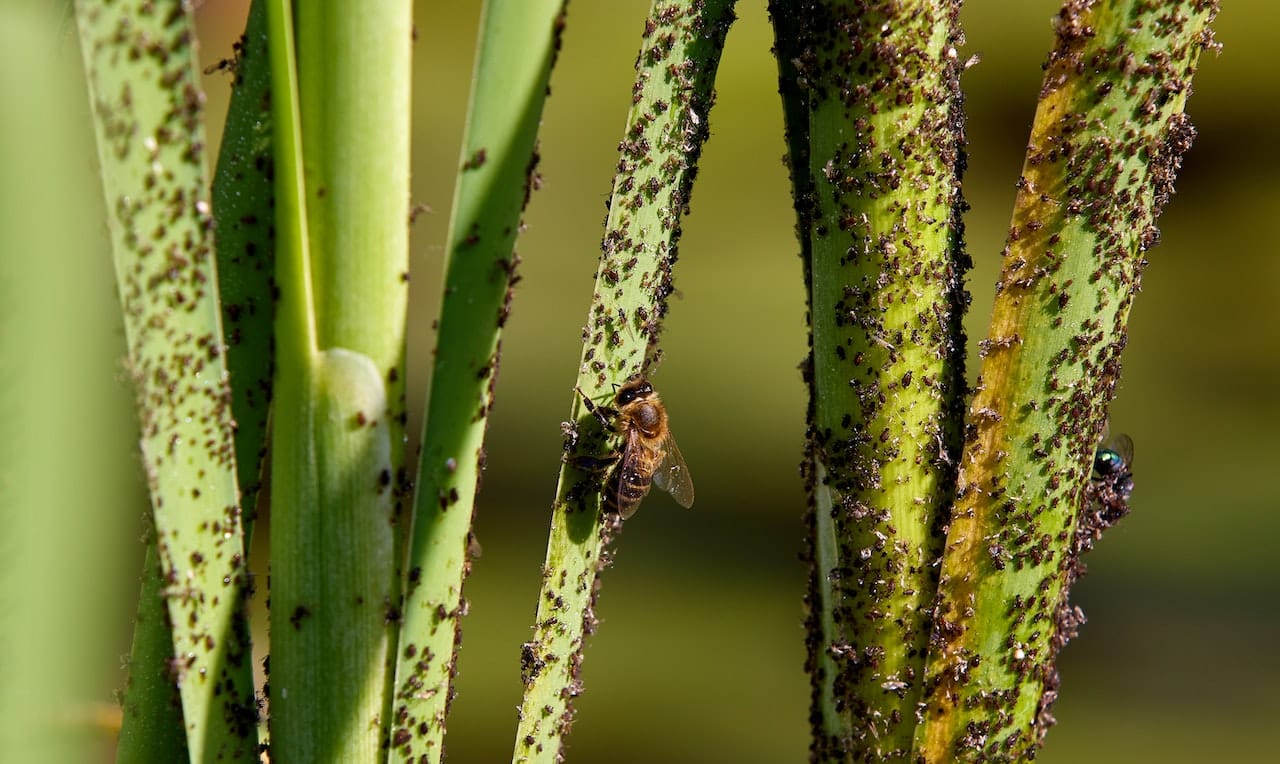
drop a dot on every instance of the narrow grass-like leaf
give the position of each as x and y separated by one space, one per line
877 192
1107 140
151 721
518 44
143 80
666 128
243 198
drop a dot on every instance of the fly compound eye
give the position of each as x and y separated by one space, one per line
1107 462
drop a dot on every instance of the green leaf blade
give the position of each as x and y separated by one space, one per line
143 81
518 42
243 202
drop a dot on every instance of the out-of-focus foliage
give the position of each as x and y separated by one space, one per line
68 530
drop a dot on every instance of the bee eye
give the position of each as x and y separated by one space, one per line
634 389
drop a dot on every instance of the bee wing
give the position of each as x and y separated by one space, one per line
672 474
632 459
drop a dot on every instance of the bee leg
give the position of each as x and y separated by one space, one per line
595 468
604 414
593 464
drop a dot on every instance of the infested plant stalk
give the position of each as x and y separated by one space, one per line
1107 141
666 128
875 130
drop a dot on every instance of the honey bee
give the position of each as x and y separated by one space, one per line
649 454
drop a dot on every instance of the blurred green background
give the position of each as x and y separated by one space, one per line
699 653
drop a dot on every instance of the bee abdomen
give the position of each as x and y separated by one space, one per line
627 490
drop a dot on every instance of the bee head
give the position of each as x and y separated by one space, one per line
632 389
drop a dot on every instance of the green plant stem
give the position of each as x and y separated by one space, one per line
354 75
1107 140
332 557
335 447
517 48
666 128
355 64
143 83
877 192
